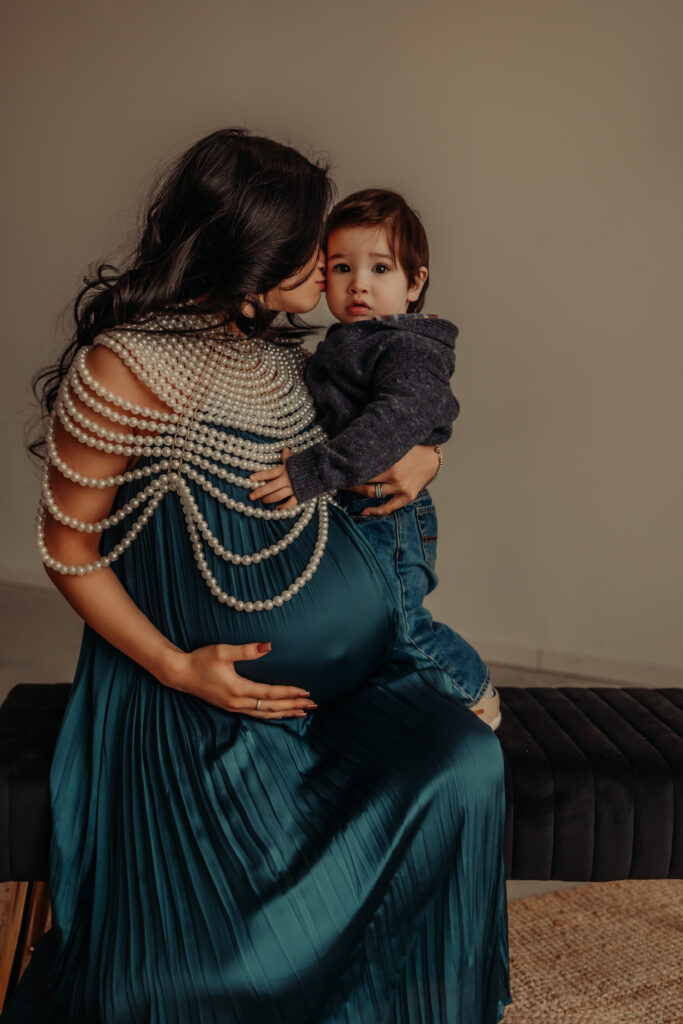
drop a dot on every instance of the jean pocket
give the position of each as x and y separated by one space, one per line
428 527
355 509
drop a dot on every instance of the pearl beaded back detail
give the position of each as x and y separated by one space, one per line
211 384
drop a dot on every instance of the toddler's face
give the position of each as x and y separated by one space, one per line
363 278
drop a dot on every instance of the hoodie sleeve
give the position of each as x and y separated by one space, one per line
411 401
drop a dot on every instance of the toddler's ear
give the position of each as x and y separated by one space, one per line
418 284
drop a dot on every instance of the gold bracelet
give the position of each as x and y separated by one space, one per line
439 451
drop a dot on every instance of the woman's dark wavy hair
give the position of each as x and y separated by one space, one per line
231 218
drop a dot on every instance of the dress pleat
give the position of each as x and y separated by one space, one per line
213 868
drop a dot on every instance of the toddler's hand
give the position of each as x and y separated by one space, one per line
274 484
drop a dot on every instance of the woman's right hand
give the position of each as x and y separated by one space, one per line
209 673
403 481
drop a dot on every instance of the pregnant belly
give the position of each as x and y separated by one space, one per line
331 637
336 632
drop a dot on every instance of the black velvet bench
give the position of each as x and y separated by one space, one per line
593 777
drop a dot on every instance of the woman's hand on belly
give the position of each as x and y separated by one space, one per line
209 673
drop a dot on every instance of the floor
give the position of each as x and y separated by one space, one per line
39 642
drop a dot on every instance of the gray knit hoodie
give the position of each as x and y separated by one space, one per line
380 386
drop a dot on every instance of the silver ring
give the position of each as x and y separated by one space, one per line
258 704
379 493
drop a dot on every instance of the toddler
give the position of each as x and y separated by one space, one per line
380 381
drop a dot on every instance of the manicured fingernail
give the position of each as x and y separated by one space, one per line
262 648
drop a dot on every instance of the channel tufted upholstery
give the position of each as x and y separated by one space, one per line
594 780
30 719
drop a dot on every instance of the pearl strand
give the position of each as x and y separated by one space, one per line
241 506
187 500
93 403
53 458
101 444
141 410
159 368
285 595
256 388
101 563
192 512
130 444
111 435
103 524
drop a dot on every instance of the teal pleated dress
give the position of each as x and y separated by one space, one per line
209 867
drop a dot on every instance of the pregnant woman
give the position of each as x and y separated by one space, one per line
259 814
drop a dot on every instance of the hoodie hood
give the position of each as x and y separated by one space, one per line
428 325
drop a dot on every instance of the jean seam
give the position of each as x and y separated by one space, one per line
423 540
419 649
405 626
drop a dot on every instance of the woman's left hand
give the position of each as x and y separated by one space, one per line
403 481
274 484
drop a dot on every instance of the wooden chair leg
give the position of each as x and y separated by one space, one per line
28 914
38 913
13 945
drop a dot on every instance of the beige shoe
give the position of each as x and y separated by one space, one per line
488 709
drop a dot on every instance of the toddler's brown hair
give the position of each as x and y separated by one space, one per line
405 232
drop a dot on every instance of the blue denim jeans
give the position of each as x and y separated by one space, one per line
405 545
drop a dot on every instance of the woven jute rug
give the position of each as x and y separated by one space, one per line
605 953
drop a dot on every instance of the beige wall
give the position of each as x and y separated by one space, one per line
540 140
